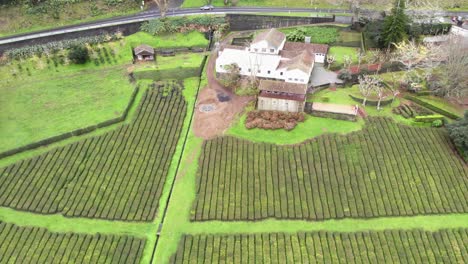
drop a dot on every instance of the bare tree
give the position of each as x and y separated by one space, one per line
162 6
330 60
451 78
368 85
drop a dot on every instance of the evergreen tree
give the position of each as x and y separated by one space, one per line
395 28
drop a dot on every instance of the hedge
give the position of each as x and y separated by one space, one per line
333 115
70 134
432 107
370 102
176 73
429 118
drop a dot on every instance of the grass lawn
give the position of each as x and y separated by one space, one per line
341 96
312 127
41 99
16 19
170 40
341 52
35 108
318 34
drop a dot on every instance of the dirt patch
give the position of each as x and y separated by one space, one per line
209 124
224 106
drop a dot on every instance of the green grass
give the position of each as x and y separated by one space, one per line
318 34
312 127
341 52
40 100
35 108
16 19
341 96
168 40
59 223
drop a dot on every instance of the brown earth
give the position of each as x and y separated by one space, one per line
214 123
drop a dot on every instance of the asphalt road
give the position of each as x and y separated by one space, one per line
147 15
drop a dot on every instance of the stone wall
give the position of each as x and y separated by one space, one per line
238 22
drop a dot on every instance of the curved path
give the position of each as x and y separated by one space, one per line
147 15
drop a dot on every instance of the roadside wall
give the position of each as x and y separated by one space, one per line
238 22
126 29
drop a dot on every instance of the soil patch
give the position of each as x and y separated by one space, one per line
222 104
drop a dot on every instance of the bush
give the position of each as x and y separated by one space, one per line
437 123
458 132
429 118
273 120
78 54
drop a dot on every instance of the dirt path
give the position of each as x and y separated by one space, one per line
216 107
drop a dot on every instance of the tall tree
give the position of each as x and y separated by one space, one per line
368 84
395 28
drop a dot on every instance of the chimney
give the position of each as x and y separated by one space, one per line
307 39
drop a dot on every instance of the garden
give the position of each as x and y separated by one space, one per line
133 184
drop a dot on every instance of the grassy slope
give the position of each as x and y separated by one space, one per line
16 20
45 100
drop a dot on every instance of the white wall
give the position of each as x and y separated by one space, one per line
263 48
273 104
319 57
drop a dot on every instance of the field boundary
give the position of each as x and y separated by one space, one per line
74 133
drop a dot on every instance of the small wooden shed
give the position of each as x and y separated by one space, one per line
144 53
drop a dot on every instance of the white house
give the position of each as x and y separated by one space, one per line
287 65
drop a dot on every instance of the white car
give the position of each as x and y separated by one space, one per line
207 7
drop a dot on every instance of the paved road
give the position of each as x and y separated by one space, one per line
147 15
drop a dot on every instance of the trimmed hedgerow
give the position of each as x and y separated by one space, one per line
38 245
334 176
396 246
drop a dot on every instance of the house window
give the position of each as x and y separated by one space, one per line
250 70
290 79
302 80
269 72
240 69
263 50
256 50
258 71
281 73
272 50
295 79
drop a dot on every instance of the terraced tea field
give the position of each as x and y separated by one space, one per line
384 170
118 175
38 245
395 246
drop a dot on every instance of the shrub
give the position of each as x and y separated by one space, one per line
429 118
437 123
273 120
78 54
458 132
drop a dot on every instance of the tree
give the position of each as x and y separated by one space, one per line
367 85
330 60
395 27
232 76
458 132
78 54
450 79
162 6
